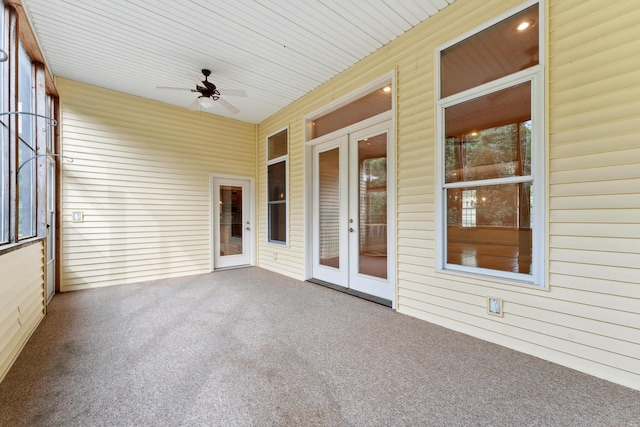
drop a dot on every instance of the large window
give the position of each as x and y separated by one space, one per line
4 131
27 114
26 147
277 184
491 142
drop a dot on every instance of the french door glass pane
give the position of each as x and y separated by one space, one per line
230 220
372 189
329 207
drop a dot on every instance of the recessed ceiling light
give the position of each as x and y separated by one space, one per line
387 89
523 25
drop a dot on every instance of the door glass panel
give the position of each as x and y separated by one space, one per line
230 220
329 207
51 205
372 197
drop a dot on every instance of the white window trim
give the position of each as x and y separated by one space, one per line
284 158
535 75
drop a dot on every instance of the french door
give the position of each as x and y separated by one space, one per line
233 228
351 211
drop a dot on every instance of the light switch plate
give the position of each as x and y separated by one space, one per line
494 306
77 216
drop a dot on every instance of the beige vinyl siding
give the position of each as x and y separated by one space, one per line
594 170
141 175
22 302
588 317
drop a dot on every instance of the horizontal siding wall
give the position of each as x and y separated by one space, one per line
141 176
594 182
588 318
22 302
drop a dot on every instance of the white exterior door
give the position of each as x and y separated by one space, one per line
368 212
351 211
330 216
232 220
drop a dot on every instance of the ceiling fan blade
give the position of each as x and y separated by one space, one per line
232 92
172 88
195 105
228 106
198 81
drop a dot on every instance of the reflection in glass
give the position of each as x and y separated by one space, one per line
372 196
230 220
277 145
499 235
490 136
4 137
376 102
495 52
26 147
277 201
329 207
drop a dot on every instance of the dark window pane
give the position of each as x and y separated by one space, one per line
278 222
277 181
277 201
277 145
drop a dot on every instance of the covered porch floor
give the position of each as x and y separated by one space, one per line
252 347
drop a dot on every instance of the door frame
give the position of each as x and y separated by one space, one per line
391 192
250 211
51 265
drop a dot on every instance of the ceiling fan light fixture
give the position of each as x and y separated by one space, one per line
205 101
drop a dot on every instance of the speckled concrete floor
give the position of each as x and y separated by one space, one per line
253 348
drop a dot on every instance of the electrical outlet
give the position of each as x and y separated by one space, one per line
494 306
275 256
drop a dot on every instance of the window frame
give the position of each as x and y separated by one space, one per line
535 75
5 128
30 143
271 162
17 36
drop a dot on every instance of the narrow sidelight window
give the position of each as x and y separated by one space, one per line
277 186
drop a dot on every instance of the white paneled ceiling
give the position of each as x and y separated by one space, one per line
275 50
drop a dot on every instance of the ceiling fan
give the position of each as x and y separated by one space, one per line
209 94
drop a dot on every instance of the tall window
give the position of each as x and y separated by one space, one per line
26 147
277 184
489 153
23 189
4 131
